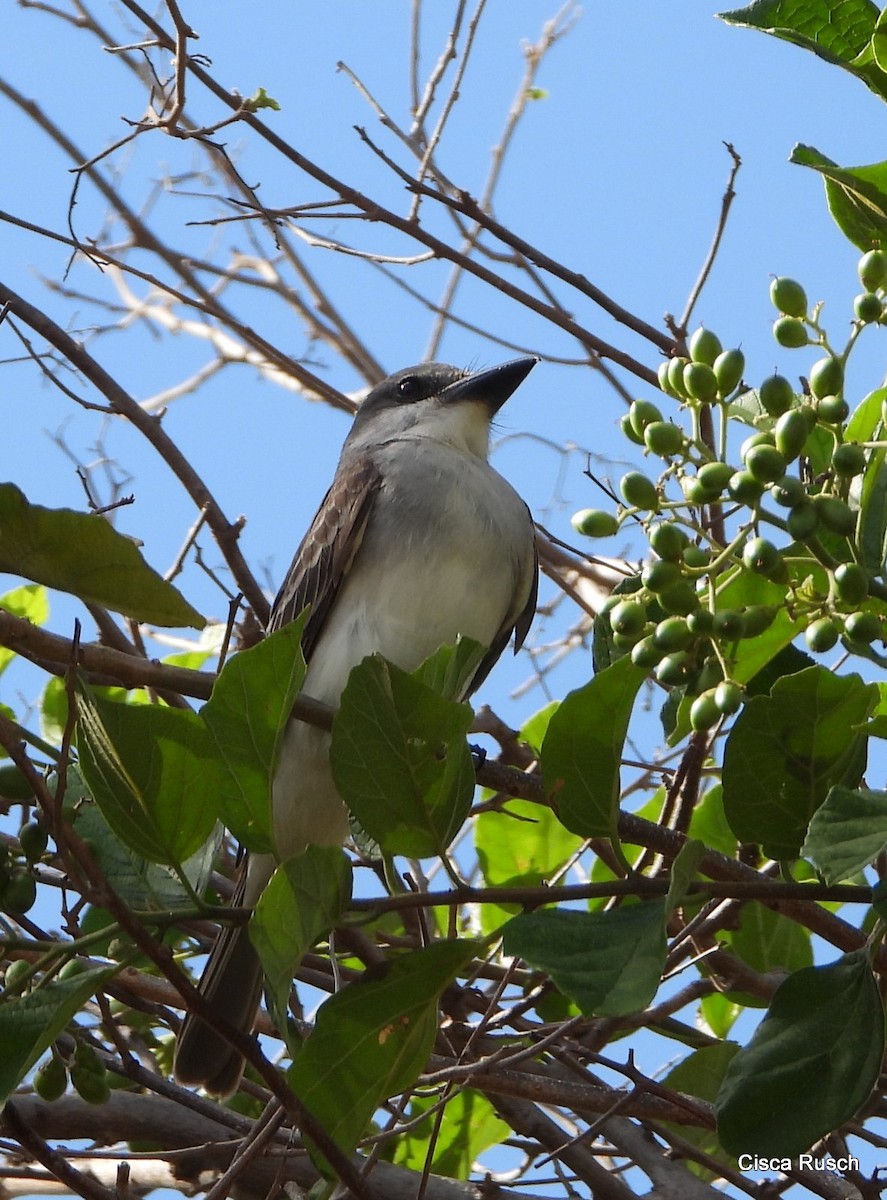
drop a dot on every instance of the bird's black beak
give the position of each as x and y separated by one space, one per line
491 387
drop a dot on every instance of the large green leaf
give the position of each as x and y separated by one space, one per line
82 554
30 1024
303 900
400 760
246 716
812 1062
786 750
609 962
701 1074
838 31
153 772
857 196
373 1038
582 750
848 832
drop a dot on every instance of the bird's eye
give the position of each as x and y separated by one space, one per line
409 388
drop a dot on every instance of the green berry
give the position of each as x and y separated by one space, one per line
629 431
709 676
628 617
645 654
852 584
788 296
662 376
667 540
74 966
826 377
789 491
674 669
704 712
761 556
658 576
594 522
863 627
868 307
676 376
744 488
835 515
790 332
729 625
701 623
672 634
803 521
704 346
776 395
642 413
728 368
89 1085
757 618
51 1079
849 459
791 432
728 697
765 463
822 635
680 598
763 438
715 476
19 894
695 491
872 270
16 972
695 557
663 438
832 410
638 491
33 840
700 381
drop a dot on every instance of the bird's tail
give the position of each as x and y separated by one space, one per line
232 984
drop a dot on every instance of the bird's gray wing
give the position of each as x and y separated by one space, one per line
520 627
327 550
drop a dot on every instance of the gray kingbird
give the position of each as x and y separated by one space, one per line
417 540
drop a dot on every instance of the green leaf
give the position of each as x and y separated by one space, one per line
140 884
469 1126
609 963
372 1039
82 554
701 1074
848 832
582 751
246 716
152 771
400 761
767 941
787 749
857 196
303 900
709 824
451 669
30 602
30 1024
534 729
838 31
521 845
822 1039
752 655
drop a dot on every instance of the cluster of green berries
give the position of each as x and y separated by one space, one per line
85 1071
667 624
18 888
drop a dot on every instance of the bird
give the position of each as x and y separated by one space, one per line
417 541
